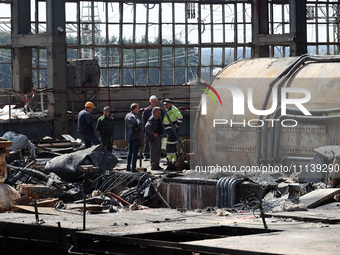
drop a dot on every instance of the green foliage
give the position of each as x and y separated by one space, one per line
147 62
5 61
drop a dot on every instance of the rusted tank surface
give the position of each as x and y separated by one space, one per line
188 196
7 195
240 139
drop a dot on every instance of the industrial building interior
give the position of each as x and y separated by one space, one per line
260 177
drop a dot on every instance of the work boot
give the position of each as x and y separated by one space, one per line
171 167
170 157
157 168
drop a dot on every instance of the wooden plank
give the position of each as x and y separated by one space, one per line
30 209
51 210
62 150
316 197
89 207
57 144
37 191
49 202
314 215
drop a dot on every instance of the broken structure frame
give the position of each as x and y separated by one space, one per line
46 32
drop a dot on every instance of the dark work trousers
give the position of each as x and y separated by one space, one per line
171 142
107 142
155 152
146 152
133 154
90 138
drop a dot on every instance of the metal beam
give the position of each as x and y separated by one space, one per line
298 25
174 1
22 57
30 40
260 25
56 65
281 39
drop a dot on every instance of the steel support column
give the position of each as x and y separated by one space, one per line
22 56
260 26
298 26
56 65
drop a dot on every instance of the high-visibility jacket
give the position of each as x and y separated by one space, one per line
175 116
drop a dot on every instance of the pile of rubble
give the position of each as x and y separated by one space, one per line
60 174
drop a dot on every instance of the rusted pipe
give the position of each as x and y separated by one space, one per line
225 192
124 202
218 191
292 158
265 103
286 74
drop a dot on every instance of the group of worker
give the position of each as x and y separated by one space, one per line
104 127
153 123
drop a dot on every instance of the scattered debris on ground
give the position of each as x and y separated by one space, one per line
53 175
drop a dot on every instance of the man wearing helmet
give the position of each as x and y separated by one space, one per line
85 127
105 128
176 119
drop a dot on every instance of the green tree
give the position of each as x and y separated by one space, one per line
5 61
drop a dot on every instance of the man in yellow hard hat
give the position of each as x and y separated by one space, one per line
85 127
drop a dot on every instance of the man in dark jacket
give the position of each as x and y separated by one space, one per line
154 131
133 132
85 127
105 129
147 113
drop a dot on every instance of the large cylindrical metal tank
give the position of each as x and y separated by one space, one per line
238 141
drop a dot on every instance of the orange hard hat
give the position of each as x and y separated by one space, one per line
89 104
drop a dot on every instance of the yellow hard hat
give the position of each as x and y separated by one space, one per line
89 104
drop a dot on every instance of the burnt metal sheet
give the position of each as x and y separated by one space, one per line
328 152
188 196
317 197
66 166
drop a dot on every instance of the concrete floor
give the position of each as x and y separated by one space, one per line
140 163
295 237
292 235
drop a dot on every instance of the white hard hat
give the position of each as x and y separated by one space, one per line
153 97
166 101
